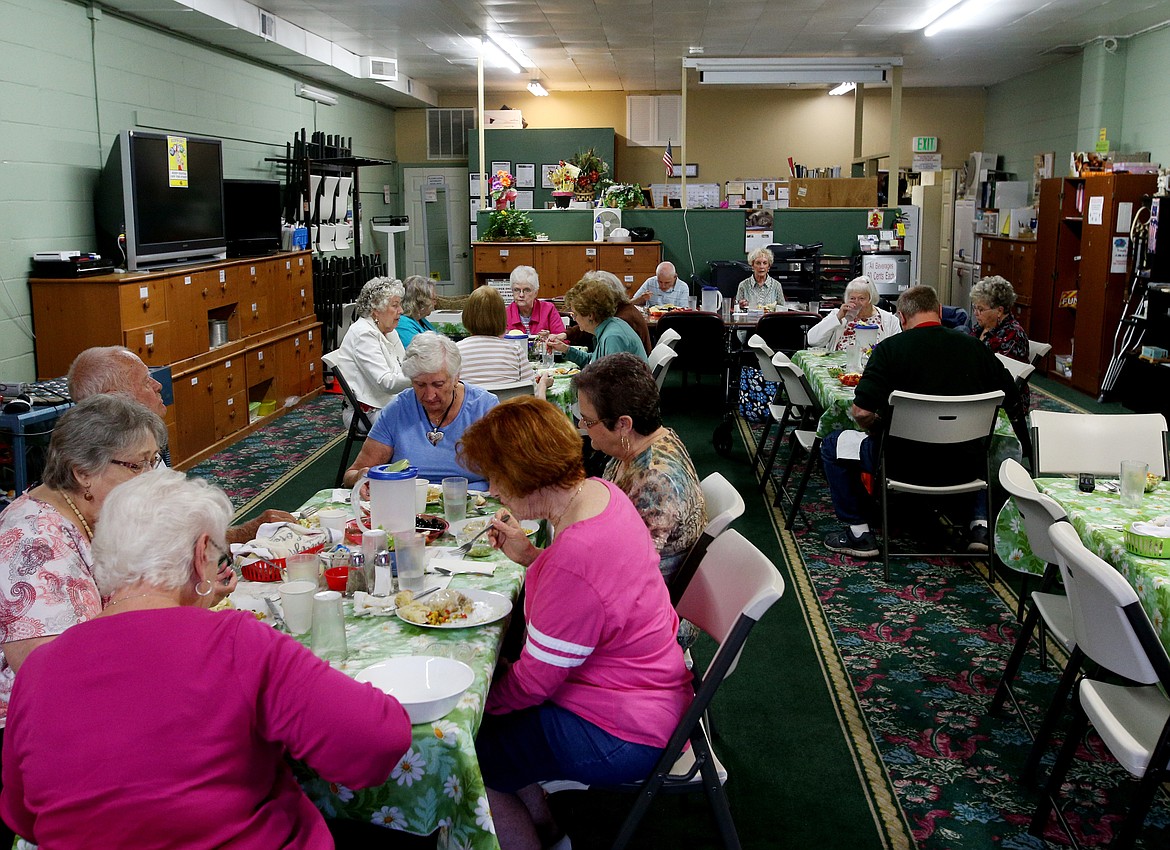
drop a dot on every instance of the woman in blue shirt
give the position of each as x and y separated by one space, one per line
417 304
425 425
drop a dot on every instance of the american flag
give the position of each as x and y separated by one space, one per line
669 161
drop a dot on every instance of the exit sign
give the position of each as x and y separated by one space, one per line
925 144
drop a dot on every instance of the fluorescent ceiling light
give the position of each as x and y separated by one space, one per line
844 88
781 71
537 89
957 15
493 54
510 50
319 95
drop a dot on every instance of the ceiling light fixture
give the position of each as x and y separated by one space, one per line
781 71
493 54
537 89
956 15
315 94
509 49
844 88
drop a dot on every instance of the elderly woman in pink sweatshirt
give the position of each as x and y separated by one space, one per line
600 670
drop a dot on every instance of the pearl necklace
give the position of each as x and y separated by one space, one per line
557 522
84 524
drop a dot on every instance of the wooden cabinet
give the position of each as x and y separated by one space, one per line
561 264
272 354
1081 279
1015 261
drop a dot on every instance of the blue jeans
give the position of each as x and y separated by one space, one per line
848 494
550 742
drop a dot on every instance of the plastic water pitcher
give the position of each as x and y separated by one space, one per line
391 499
864 339
712 299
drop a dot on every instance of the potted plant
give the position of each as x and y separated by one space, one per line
564 179
622 196
504 223
591 169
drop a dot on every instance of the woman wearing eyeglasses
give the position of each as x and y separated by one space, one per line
45 562
165 724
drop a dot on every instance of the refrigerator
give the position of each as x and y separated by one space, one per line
912 221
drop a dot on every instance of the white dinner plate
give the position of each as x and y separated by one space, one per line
489 607
530 526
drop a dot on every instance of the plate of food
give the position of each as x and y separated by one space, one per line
849 379
662 309
453 609
565 371
435 496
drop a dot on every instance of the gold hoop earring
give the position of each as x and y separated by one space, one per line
626 444
204 593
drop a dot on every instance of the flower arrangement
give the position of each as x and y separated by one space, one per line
564 176
503 189
591 169
622 196
509 226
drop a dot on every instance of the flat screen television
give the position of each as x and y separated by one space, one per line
252 211
159 200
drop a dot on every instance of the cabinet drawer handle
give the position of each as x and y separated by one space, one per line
205 290
145 304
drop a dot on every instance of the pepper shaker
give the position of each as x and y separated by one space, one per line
356 580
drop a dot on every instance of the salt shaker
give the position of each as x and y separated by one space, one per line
382 581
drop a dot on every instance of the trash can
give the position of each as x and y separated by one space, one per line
889 271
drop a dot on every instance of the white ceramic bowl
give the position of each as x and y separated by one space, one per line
427 686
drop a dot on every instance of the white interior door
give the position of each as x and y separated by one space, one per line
415 182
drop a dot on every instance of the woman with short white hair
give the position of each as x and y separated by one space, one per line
527 313
199 711
761 289
837 330
370 356
423 426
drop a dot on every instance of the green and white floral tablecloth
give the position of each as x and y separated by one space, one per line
1100 520
837 399
437 785
563 395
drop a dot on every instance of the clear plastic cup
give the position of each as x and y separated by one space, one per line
296 602
328 621
454 499
1133 482
303 567
410 554
421 488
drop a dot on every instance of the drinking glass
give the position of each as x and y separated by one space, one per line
303 567
296 601
1133 482
328 640
454 499
410 554
421 488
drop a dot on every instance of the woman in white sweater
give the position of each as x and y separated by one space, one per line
836 330
370 356
489 360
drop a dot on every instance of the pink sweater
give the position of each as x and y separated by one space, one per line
170 728
601 631
544 318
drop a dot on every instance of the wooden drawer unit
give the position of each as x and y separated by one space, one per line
263 364
561 266
143 304
292 291
631 262
499 260
194 412
152 343
230 414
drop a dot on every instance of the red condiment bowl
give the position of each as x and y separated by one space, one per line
337 577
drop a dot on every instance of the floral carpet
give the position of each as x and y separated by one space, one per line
257 463
919 659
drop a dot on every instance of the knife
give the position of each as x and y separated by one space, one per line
279 620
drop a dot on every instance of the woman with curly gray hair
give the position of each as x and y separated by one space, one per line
423 426
760 289
992 300
416 306
203 708
370 356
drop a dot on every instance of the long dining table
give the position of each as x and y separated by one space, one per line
836 399
437 785
1100 520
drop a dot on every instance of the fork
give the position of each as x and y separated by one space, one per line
466 547
308 512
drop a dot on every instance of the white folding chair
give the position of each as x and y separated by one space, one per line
1049 610
733 588
660 358
724 505
1020 372
935 420
776 407
1037 351
1070 443
1112 629
804 435
669 337
506 391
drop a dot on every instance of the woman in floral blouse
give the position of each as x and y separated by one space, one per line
619 408
992 300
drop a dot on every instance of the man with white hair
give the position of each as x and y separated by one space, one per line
118 370
663 288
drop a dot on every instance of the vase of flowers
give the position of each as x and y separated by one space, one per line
591 168
564 179
503 189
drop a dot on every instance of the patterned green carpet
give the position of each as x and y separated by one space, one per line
921 657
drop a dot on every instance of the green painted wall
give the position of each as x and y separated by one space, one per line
69 84
539 147
1147 94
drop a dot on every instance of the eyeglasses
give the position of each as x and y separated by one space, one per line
225 557
138 468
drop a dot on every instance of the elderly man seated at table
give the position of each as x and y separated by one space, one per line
118 370
837 330
663 288
594 304
161 723
425 425
601 682
924 358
